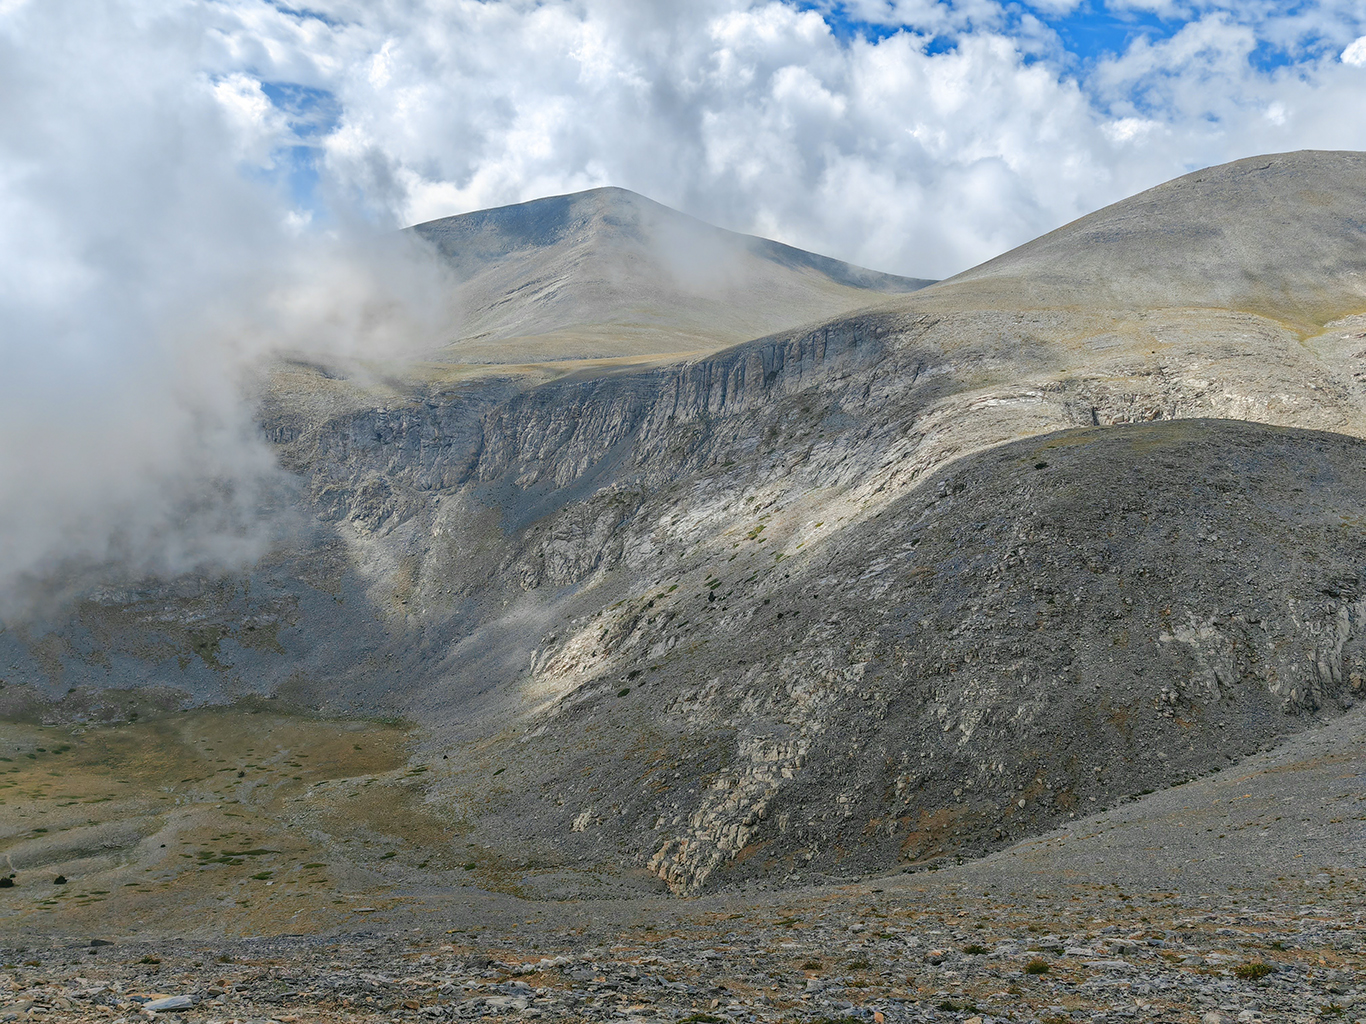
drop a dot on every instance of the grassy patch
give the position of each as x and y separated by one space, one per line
182 775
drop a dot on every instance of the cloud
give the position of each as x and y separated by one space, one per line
766 116
755 116
187 186
150 264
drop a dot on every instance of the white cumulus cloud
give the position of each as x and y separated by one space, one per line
761 116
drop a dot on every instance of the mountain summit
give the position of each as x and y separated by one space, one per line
1282 236
608 273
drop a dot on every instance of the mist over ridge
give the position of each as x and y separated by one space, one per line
607 273
152 267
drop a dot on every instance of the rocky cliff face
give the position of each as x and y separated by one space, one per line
1040 630
897 587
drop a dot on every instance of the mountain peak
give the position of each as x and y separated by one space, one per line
1283 235
609 273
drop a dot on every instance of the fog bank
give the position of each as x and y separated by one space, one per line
154 260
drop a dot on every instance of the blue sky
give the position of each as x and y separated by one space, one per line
1088 31
310 114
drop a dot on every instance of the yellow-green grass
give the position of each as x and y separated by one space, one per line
229 821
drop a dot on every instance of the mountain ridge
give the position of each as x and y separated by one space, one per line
1282 234
703 613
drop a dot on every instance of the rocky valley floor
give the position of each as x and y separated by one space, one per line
897 952
1237 897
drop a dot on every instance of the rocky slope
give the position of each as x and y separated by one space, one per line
834 599
1038 630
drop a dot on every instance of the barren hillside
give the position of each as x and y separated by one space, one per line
904 584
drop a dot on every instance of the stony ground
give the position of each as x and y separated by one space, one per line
892 953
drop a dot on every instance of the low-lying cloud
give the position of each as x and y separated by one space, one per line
152 261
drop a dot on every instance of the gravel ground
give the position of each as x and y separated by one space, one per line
854 953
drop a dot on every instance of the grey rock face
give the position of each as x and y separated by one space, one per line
170 1004
1035 632
518 557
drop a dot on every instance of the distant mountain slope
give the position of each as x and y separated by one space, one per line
608 273
1282 236
770 610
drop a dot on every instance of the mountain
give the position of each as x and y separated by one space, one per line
610 274
896 587
1281 236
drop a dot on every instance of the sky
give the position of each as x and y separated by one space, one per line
906 135
190 186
